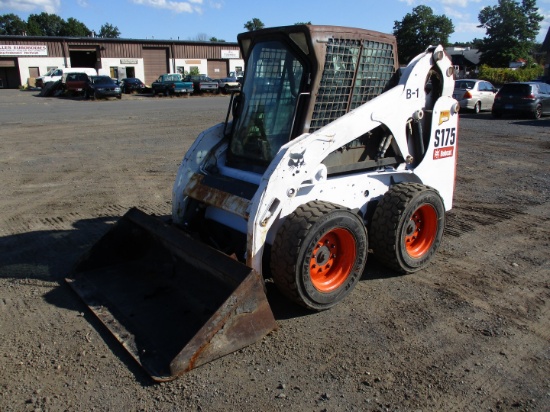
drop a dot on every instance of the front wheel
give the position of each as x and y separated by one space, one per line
319 254
407 227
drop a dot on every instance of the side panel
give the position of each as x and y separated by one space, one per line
438 168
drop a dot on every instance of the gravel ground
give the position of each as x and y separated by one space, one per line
470 332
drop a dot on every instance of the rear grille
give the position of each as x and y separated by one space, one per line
355 72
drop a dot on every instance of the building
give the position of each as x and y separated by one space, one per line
466 60
24 58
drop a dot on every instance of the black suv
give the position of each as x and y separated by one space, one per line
527 98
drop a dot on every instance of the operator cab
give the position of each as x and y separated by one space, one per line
300 78
276 80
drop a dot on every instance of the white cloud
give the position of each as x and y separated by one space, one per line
453 3
459 3
469 28
216 4
191 6
456 14
49 6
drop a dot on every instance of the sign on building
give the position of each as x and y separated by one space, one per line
23 50
230 54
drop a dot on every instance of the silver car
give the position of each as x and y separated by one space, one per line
474 94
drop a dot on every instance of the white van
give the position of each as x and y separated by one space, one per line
61 74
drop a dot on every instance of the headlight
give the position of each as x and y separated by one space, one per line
117 89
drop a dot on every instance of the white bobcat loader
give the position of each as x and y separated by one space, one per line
328 153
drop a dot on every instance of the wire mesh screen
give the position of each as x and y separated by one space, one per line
341 89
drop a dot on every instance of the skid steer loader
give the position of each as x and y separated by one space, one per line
329 152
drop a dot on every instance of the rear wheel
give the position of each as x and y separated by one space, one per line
477 108
407 227
497 115
319 254
537 114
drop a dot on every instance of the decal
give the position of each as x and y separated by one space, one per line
444 141
445 137
444 116
444 152
412 93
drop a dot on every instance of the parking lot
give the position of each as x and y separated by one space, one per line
471 332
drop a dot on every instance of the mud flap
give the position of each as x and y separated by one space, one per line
173 302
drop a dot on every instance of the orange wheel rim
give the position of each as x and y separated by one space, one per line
420 231
332 260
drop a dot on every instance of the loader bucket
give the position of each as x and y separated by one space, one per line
173 302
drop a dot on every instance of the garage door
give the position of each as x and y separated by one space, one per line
217 69
155 63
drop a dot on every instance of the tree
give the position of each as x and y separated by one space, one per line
254 24
12 25
201 37
215 39
420 29
74 28
109 31
44 24
302 22
511 29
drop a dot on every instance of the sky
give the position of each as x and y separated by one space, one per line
224 19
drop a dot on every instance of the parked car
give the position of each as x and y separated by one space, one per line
229 84
474 94
239 75
131 85
523 98
102 86
202 83
171 84
75 83
55 75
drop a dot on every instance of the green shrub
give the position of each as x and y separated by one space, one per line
501 76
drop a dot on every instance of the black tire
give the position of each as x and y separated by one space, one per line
302 243
496 115
477 108
537 114
167 93
407 227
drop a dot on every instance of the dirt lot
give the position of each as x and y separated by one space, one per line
471 332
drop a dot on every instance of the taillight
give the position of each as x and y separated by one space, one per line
529 97
467 95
